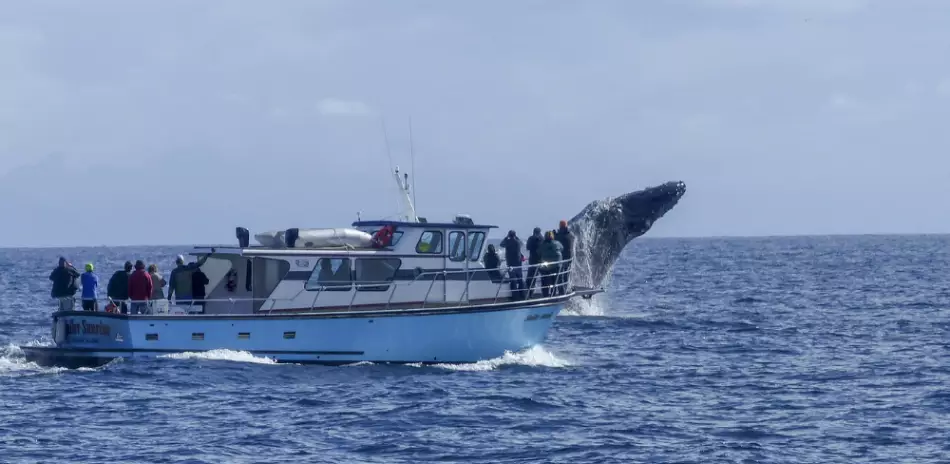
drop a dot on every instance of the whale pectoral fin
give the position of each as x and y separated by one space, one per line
587 292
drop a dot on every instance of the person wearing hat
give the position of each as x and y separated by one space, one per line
566 238
513 258
179 281
534 259
118 287
90 289
64 284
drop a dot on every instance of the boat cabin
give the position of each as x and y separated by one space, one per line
414 264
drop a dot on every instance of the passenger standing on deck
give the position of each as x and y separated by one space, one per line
90 289
118 287
158 283
513 258
198 282
550 255
534 258
64 285
179 282
140 289
492 261
566 238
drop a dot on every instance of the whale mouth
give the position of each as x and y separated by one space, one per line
642 208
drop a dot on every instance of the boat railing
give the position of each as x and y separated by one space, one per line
559 278
557 274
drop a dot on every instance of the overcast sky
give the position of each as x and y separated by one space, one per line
171 122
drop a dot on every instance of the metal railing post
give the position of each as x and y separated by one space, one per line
432 284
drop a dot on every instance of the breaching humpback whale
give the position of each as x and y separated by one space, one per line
604 227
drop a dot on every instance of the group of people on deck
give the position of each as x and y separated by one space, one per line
544 256
134 284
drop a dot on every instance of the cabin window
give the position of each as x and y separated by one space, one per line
375 274
457 251
330 274
397 235
430 242
475 240
268 273
249 275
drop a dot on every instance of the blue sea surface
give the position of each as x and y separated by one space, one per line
738 350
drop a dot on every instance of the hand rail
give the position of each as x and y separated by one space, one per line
552 289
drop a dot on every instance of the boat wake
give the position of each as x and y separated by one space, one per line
13 363
220 355
535 356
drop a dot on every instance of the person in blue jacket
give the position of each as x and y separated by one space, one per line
90 289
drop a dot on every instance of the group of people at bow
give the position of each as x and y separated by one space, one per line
549 255
134 284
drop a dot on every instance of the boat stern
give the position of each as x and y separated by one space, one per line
83 339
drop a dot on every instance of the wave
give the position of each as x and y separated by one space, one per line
221 355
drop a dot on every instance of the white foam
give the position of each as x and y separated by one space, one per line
581 307
536 356
359 364
13 362
221 355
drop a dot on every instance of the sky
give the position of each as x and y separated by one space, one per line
173 121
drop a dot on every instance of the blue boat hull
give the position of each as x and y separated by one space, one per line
458 335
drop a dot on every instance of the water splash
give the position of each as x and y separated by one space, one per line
583 269
596 306
221 355
13 363
536 356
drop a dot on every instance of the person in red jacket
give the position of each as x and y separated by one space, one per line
140 289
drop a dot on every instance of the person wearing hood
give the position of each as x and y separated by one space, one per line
513 258
90 289
534 258
118 287
64 289
140 289
550 255
158 284
565 237
179 281
492 261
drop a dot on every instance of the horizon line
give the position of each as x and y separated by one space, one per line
641 238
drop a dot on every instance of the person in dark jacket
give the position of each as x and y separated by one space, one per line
492 261
513 258
64 285
140 288
198 282
118 287
550 255
534 258
566 238
179 282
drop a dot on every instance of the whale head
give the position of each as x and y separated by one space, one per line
604 227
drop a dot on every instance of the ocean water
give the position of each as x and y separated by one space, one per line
771 350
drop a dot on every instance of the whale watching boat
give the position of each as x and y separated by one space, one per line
400 291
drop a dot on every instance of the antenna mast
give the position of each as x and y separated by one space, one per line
409 211
412 156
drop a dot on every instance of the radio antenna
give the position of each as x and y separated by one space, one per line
412 156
